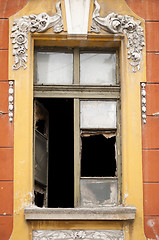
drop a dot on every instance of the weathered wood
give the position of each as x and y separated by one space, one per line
76 66
77 151
119 154
112 92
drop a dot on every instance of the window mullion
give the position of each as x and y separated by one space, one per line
76 67
118 146
117 68
77 148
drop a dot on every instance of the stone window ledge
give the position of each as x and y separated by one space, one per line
121 213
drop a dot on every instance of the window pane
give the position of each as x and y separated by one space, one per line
98 114
96 193
40 158
98 69
54 68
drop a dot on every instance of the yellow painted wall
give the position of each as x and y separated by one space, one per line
132 188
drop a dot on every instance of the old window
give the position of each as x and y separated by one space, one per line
77 128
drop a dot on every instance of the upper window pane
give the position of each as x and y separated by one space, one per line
98 114
54 68
98 69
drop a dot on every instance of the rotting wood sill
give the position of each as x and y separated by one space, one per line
119 213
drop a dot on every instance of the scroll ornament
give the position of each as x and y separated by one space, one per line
122 24
33 23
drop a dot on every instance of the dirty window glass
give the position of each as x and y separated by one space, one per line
98 192
98 114
97 69
54 68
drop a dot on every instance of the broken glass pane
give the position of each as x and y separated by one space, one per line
98 156
97 69
98 114
98 192
40 171
54 68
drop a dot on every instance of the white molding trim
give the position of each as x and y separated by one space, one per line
11 101
104 213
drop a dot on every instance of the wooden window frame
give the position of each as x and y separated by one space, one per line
84 92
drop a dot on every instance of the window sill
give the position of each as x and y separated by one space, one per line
119 213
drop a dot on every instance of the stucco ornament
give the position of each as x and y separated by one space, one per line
11 101
122 24
78 234
33 23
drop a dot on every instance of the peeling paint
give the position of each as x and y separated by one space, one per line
5 7
125 196
1 113
156 114
151 224
25 202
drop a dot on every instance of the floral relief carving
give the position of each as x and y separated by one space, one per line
78 234
122 24
33 23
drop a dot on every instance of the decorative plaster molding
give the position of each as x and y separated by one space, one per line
124 24
143 102
77 15
120 213
78 234
11 101
33 23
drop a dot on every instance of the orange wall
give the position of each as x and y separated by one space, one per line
7 8
148 9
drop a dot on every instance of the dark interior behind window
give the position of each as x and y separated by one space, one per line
61 152
98 156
